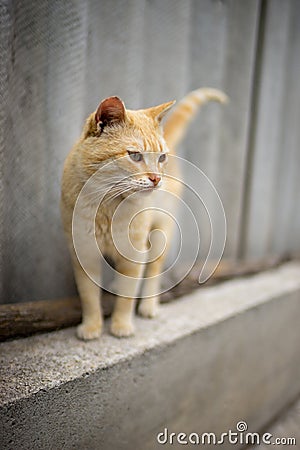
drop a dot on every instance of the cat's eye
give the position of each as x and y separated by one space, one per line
135 156
162 158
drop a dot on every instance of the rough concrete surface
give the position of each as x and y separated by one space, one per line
286 426
217 356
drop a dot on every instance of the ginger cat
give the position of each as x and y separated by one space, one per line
137 145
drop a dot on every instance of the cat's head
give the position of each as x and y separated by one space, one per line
132 140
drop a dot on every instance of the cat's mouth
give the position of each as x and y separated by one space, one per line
147 189
144 190
140 189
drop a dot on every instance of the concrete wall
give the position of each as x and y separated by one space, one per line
59 59
218 356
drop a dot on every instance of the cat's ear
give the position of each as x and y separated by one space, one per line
110 111
159 112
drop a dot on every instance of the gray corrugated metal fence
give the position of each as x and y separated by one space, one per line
60 58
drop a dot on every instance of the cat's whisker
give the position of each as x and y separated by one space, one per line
116 193
103 189
109 191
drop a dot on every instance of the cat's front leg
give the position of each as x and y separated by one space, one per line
91 325
89 292
128 284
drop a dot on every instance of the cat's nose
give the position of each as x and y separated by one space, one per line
154 178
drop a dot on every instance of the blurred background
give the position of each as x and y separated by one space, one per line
60 58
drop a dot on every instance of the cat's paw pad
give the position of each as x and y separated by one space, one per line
122 328
87 332
148 310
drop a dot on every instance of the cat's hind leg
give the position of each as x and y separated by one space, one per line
149 304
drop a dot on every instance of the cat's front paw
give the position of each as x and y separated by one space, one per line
122 328
88 332
148 308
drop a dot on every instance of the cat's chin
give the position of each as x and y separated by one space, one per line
138 194
147 191
142 191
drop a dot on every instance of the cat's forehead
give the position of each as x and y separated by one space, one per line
145 132
143 143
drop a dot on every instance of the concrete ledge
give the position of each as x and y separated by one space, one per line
217 356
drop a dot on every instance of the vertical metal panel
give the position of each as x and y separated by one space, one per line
286 211
5 40
272 194
44 67
223 41
24 153
58 59
65 100
165 55
114 52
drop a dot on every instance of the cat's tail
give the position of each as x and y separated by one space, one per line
181 115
